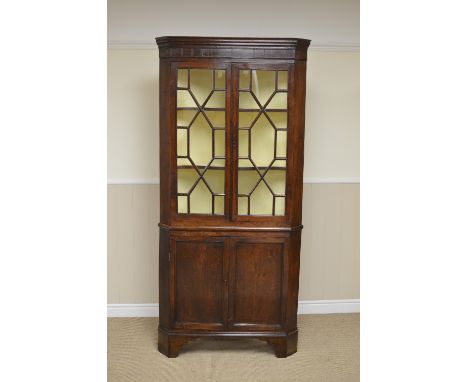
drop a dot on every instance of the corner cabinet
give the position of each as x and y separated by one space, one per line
231 163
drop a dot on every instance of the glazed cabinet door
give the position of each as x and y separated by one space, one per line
202 146
198 283
257 283
261 130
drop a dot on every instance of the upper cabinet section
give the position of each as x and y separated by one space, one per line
231 131
232 48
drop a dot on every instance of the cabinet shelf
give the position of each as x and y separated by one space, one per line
201 168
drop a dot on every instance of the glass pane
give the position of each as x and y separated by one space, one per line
219 205
215 179
282 80
182 204
182 78
220 79
279 101
217 118
247 101
244 79
181 142
245 163
263 142
201 84
218 163
263 84
279 119
219 143
276 179
184 99
247 179
279 164
201 136
183 162
261 201
200 199
279 206
242 205
281 143
246 118
262 177
185 117
243 143
200 141
186 178
217 100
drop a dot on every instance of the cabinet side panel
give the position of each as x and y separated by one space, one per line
293 281
199 282
258 273
165 147
164 311
297 141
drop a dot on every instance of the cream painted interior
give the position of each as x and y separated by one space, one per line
330 245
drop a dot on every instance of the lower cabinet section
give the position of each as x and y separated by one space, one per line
230 286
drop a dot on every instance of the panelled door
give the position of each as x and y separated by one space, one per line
257 283
236 283
198 282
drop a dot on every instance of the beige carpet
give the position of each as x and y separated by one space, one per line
328 350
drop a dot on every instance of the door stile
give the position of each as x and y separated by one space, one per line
234 139
226 277
231 280
172 281
228 144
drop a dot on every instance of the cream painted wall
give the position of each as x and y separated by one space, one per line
329 254
332 116
330 247
132 114
326 22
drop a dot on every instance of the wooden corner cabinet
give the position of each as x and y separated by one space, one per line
231 163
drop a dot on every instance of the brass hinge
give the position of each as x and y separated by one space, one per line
169 256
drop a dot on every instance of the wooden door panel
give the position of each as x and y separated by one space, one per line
199 284
256 284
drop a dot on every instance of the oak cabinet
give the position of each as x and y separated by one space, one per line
231 162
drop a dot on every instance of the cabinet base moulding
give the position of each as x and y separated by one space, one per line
283 344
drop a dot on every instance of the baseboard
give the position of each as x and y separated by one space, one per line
305 307
132 310
328 306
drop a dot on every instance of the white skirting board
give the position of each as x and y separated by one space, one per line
305 307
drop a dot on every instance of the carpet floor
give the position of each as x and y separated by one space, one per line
328 351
